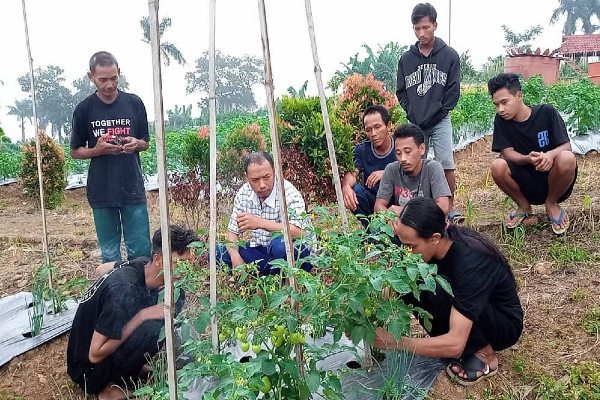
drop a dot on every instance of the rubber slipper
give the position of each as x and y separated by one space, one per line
557 223
515 218
455 217
471 366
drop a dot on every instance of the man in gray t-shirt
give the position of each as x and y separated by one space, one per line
411 175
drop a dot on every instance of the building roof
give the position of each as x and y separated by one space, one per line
580 44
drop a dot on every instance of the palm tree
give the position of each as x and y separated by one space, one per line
576 10
23 109
167 50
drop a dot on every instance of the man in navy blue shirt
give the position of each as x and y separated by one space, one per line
536 164
370 159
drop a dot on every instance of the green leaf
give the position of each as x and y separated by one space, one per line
313 380
444 284
396 328
357 333
268 367
412 272
399 286
256 302
202 321
278 299
423 270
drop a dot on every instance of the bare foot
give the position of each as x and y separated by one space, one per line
112 392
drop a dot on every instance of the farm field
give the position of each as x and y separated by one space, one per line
558 278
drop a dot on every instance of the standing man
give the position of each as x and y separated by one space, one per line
412 175
118 322
256 209
428 88
370 159
110 127
536 164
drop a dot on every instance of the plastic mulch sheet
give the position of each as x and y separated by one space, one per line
15 331
359 383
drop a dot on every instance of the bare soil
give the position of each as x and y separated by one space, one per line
555 292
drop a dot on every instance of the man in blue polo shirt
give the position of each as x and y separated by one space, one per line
370 160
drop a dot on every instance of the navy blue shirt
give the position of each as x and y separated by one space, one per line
367 161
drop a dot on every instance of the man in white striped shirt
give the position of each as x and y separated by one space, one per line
256 209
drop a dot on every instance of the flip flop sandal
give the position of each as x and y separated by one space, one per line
455 217
511 222
556 223
471 366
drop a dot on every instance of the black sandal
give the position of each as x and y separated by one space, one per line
471 366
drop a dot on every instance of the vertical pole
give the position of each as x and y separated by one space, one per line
212 234
449 20
38 152
328 135
276 145
163 197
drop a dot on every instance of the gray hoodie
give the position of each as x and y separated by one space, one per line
428 88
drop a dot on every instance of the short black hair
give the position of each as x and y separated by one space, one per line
103 59
508 80
180 239
258 157
423 10
376 108
410 130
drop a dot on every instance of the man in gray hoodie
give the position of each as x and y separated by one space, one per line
428 88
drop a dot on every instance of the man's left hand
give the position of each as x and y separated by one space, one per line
545 162
247 221
131 146
373 179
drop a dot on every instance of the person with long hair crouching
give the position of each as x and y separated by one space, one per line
481 316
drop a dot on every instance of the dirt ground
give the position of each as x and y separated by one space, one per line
558 278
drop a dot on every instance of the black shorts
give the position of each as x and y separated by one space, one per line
534 184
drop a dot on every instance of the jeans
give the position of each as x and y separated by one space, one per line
263 255
366 203
130 221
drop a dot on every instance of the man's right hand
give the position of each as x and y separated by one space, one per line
350 200
104 148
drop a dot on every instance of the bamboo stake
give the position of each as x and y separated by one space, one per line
276 147
38 153
328 135
163 198
212 234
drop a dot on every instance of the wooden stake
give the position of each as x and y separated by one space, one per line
276 148
163 198
38 152
212 233
328 135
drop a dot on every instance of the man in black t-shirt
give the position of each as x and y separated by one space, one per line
118 322
370 159
110 127
536 164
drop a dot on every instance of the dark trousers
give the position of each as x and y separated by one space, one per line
123 366
366 203
263 255
494 326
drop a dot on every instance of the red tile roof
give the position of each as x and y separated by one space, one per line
580 44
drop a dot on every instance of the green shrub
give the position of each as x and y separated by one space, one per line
196 152
53 171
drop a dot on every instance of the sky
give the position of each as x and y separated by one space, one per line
67 32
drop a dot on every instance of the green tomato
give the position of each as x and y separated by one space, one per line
241 334
222 337
245 346
368 312
277 341
266 384
297 338
256 348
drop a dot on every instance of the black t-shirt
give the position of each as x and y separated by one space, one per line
367 161
111 302
544 130
477 279
113 180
